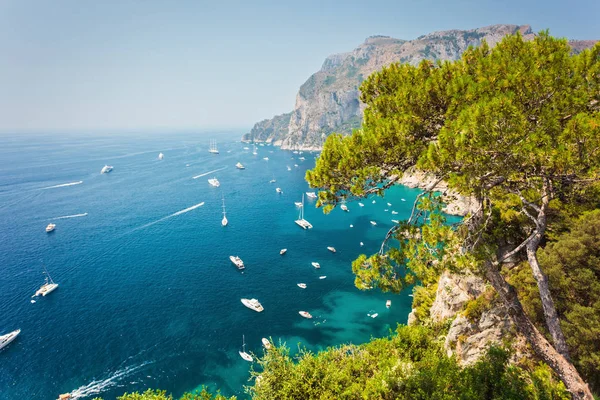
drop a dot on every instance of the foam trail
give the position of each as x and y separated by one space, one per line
170 216
95 387
209 172
70 216
63 185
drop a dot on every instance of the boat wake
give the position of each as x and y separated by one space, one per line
69 216
209 172
97 386
170 216
63 185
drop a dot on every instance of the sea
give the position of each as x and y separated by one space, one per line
147 295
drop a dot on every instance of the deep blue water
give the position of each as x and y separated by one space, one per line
148 298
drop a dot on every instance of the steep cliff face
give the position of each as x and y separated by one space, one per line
269 130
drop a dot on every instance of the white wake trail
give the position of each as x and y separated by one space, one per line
170 216
70 216
209 172
63 185
95 387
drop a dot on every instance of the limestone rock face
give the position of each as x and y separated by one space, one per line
453 292
269 130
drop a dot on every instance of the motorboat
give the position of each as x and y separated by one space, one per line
301 158
351 226
344 208
246 148
243 353
388 303
395 221
282 251
302 285
214 182
296 165
278 190
161 156
311 195
48 286
389 204
386 210
224 221
394 212
373 223
5 340
323 277
237 262
272 181
253 304
239 166
361 204
316 265
295 151
213 147
403 199
106 169
305 314
298 203
331 249
266 158
362 244
301 222
266 343
373 201
374 315
289 168
50 228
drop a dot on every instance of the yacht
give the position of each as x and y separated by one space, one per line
106 169
278 190
48 286
323 277
237 262
305 314
344 207
213 147
161 156
9 337
361 204
266 343
373 223
282 251
239 166
298 203
331 249
301 222
214 182
253 304
302 285
316 265
311 195
50 228
224 221
388 303
243 353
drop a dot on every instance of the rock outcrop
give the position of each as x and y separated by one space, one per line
329 100
453 292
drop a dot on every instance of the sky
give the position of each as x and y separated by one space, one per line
77 65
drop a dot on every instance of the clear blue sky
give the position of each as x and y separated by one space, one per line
103 64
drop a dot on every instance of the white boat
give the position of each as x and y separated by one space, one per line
362 244
9 337
323 277
239 166
161 156
266 158
246 148
224 221
389 204
278 190
282 251
237 262
106 169
295 151
243 353
395 221
388 303
302 285
403 199
374 315
331 249
272 181
298 203
301 222
373 201
48 286
311 195
394 212
213 147
289 168
344 208
386 210
351 226
316 265
254 151
305 314
214 182
361 204
253 304
301 158
50 228
373 223
296 165
266 343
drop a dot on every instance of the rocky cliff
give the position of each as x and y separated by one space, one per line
329 100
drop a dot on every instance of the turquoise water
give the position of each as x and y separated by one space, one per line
147 295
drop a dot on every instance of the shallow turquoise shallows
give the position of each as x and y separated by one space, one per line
147 295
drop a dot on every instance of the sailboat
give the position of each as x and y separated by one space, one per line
224 221
213 147
301 222
254 151
243 353
48 285
161 156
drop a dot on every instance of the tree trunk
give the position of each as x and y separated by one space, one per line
542 348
